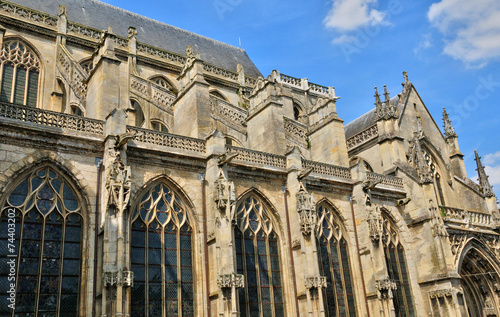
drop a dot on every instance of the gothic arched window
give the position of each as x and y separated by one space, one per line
398 270
333 255
46 244
257 258
20 69
161 255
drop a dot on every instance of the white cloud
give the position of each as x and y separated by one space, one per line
344 39
471 29
493 173
424 44
348 15
490 159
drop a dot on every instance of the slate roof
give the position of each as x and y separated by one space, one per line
101 15
367 120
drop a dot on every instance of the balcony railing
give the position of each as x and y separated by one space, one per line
167 139
51 118
328 169
385 179
462 216
257 158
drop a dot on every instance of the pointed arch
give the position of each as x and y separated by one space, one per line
334 261
397 265
479 269
258 259
161 250
163 82
49 235
216 93
20 72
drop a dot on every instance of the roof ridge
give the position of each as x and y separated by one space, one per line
163 23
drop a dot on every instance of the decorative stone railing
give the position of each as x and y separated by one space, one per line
51 118
121 41
466 216
362 137
233 115
157 95
18 11
167 139
319 89
85 31
250 82
385 179
163 54
295 131
73 73
291 80
257 158
327 169
221 72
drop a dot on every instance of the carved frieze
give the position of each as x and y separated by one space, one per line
385 288
230 281
118 278
316 282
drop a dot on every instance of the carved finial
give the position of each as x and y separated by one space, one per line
386 94
486 188
379 107
449 131
377 97
405 74
189 51
62 10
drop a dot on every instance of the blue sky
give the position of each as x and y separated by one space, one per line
450 48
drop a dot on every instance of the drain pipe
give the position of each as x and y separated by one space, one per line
284 190
201 176
98 162
359 255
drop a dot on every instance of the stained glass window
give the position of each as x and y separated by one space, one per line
48 235
397 269
161 255
20 69
338 297
257 258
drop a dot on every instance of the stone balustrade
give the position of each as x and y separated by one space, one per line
328 169
252 157
385 179
462 216
296 132
233 115
51 118
157 95
362 137
167 139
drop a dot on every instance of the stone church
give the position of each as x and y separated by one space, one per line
149 171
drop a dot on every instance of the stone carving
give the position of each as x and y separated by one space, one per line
190 59
295 243
375 224
306 207
165 139
449 131
385 288
211 236
327 169
224 192
256 157
484 183
489 307
232 115
362 137
385 110
457 242
85 31
250 82
230 281
295 131
316 282
118 183
416 157
118 278
448 292
51 118
438 227
73 73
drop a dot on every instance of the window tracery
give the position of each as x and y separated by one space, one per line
333 256
161 255
257 258
20 72
398 270
48 242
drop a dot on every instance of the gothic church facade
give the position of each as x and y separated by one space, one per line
149 171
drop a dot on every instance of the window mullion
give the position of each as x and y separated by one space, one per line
61 265
163 282
270 276
25 95
179 277
1 74
332 273
40 262
146 270
13 89
257 275
19 253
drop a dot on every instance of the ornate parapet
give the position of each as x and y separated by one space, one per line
440 293
327 169
316 282
118 278
296 132
388 180
362 137
306 208
385 288
73 73
159 96
252 157
225 281
167 139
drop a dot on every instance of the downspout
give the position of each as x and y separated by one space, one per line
205 245
359 257
96 233
283 188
